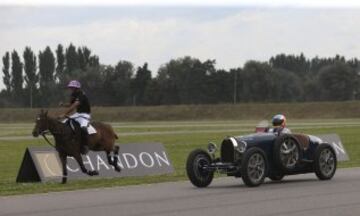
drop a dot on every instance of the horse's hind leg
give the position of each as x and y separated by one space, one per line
82 167
116 158
63 159
109 158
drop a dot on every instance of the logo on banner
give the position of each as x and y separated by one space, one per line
138 159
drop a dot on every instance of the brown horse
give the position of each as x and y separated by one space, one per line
68 141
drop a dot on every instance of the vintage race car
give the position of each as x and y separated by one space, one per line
257 156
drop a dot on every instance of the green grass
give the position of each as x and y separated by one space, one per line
193 134
241 111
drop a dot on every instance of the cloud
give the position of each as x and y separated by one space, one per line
263 3
231 38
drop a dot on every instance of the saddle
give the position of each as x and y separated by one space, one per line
74 125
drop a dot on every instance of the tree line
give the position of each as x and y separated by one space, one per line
39 80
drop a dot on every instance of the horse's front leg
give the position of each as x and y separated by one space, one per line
63 159
78 158
116 158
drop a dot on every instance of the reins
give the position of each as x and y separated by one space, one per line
43 134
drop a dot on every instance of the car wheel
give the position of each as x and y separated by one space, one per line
197 160
325 162
287 152
277 177
254 167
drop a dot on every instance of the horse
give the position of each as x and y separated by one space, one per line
68 141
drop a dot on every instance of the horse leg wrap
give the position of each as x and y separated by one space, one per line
110 160
116 165
116 159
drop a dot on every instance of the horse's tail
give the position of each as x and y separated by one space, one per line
116 136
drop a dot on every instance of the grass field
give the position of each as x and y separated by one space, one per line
179 138
241 111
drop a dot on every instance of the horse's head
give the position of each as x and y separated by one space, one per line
41 124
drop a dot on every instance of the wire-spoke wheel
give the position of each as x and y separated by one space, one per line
325 162
254 167
287 152
196 170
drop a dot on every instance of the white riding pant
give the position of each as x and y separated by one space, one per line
82 118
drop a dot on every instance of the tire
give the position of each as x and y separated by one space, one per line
198 176
325 162
277 177
287 153
254 176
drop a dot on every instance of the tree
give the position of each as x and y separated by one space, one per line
60 66
117 84
152 94
338 82
17 77
287 86
184 80
220 86
31 78
87 54
6 71
140 83
86 59
94 61
72 60
256 82
47 78
81 59
297 64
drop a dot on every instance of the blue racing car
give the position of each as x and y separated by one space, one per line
257 156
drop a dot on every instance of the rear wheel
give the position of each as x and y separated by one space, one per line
287 152
254 167
325 162
195 168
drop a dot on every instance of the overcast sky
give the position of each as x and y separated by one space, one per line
231 33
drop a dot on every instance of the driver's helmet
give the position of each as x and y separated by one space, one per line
74 84
279 120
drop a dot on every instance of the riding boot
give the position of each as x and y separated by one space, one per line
84 148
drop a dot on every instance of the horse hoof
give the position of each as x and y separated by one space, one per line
93 173
117 169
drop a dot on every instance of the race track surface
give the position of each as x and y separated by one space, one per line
295 196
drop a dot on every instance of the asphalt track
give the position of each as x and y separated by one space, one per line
295 196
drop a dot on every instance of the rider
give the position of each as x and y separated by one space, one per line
279 123
79 103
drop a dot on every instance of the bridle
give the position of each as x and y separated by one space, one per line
43 134
47 131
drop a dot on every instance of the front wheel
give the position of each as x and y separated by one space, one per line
254 167
325 162
196 163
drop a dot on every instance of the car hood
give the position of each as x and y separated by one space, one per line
257 137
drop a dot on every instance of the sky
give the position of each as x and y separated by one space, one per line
155 31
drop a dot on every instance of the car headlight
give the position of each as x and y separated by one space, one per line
212 148
242 146
239 146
